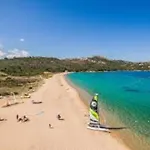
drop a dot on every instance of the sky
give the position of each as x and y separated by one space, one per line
75 28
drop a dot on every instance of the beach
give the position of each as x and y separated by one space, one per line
57 97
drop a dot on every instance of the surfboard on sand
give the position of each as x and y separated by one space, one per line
98 129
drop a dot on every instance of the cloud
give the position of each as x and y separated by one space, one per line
17 53
12 53
2 54
21 40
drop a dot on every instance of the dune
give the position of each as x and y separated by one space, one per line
44 131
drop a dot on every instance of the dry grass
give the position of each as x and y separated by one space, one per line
21 85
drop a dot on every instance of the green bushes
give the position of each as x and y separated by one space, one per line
32 66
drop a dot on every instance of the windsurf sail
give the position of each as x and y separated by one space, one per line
94 118
94 111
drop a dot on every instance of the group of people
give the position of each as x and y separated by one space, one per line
22 119
19 119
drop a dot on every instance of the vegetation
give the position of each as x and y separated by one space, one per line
32 66
17 85
24 74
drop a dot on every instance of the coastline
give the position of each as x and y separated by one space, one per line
85 97
57 97
127 137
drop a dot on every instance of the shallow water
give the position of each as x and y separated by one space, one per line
125 97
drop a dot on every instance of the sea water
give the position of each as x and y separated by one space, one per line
125 97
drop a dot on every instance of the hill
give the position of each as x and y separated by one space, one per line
30 66
24 75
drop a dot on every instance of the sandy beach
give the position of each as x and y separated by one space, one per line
68 134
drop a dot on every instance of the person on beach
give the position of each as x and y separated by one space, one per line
3 119
22 119
94 111
50 126
17 116
59 117
25 119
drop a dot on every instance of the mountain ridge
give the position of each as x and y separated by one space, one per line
28 66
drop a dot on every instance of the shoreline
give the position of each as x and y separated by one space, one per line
85 97
57 96
127 137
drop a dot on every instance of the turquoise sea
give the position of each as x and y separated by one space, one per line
125 100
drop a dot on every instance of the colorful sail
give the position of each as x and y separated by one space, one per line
94 111
94 123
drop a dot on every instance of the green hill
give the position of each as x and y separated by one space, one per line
23 75
31 66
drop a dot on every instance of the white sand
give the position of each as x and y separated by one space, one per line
70 134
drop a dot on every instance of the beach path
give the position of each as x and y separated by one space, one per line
69 134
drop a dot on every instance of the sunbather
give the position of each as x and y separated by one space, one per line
50 126
17 116
59 117
3 119
25 119
38 102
